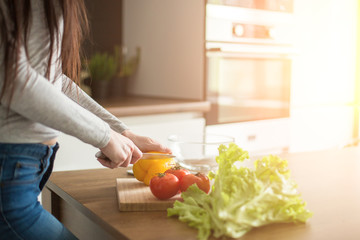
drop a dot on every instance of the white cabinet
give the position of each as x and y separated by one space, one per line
74 154
160 126
257 137
315 128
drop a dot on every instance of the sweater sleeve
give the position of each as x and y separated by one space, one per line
84 100
37 99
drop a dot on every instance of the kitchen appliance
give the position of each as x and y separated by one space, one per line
248 66
270 5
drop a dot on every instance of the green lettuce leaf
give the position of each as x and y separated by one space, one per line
242 198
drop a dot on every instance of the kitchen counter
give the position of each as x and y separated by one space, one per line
138 105
329 181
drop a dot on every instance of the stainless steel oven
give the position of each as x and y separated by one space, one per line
248 67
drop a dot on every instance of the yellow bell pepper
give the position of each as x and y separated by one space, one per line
145 169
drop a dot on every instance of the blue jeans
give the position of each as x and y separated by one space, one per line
24 170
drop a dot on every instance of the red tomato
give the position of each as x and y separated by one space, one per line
201 180
178 172
164 185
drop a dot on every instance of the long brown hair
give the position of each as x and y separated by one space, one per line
19 13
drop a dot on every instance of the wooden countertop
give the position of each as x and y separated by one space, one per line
329 182
139 105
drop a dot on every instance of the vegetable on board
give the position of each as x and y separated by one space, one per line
164 185
145 169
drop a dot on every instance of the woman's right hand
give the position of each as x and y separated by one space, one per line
120 150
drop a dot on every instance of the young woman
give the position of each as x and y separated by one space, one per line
39 55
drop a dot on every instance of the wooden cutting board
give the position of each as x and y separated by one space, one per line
133 195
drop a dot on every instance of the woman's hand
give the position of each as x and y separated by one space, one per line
121 151
145 144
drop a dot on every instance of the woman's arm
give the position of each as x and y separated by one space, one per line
145 144
35 98
79 96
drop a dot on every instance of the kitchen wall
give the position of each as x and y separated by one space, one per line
323 74
171 36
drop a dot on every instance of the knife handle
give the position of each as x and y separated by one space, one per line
101 155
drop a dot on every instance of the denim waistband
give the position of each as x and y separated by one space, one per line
36 150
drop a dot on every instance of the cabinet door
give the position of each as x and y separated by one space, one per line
315 128
258 137
160 131
73 154
171 37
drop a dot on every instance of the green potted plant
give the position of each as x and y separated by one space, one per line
101 67
127 67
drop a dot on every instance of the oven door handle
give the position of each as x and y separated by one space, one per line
282 53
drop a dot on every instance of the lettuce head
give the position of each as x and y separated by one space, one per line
242 198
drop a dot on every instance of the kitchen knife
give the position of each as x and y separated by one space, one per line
148 156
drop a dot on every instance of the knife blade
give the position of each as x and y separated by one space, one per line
148 156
